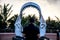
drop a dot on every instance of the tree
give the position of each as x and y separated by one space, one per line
53 25
5 13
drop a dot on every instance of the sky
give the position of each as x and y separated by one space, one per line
31 11
48 7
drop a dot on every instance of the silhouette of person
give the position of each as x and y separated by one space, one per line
31 32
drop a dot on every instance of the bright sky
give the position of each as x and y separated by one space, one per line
48 7
31 11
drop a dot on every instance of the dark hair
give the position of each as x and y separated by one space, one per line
31 20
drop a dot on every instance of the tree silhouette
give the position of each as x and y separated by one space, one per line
5 13
52 25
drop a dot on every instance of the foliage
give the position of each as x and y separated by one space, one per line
52 25
6 25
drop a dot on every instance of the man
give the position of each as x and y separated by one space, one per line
31 32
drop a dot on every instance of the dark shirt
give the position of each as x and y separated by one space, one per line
31 32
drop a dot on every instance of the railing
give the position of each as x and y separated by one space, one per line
9 36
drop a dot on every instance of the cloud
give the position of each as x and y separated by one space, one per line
53 1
